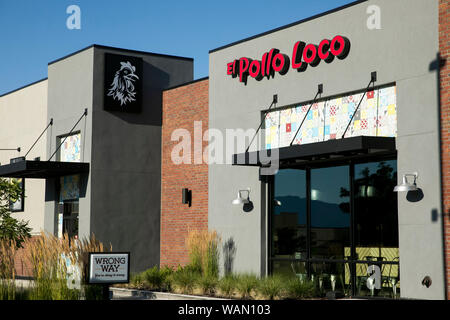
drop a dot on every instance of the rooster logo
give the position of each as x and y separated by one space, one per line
122 88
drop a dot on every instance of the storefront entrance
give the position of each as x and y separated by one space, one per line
337 225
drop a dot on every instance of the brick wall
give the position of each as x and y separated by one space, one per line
181 107
444 48
22 263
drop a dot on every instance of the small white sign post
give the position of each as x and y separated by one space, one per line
107 268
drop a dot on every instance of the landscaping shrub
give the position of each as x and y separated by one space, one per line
93 292
7 274
185 278
227 285
203 249
153 278
297 289
271 286
49 255
137 281
207 284
246 283
166 275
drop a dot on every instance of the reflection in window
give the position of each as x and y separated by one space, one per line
331 277
289 214
376 221
386 279
330 212
375 228
19 204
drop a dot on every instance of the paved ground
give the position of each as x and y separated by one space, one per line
130 294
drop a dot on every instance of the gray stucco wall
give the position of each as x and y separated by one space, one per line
70 89
126 161
120 200
401 52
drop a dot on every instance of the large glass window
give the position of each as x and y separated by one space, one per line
330 212
376 226
376 207
289 215
338 226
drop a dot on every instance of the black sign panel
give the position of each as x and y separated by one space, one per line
123 83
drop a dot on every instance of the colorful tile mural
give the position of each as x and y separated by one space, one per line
70 149
70 188
376 116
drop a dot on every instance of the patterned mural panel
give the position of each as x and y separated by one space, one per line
376 116
70 149
70 188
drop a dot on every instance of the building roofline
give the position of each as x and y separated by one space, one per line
23 87
186 83
351 4
121 49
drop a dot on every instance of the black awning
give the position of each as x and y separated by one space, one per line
42 169
330 149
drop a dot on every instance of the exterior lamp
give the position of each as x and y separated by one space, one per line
240 199
405 185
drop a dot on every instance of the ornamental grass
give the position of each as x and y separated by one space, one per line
203 250
271 287
58 268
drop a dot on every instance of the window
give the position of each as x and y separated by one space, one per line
289 218
70 150
337 225
69 193
19 205
330 212
68 219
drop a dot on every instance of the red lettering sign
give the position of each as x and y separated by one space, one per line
302 55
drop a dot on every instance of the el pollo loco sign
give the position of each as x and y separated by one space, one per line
302 55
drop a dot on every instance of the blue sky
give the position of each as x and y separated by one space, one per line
34 32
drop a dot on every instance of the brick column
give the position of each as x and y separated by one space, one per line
444 48
181 107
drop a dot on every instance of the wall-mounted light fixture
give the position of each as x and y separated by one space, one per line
187 196
405 185
240 199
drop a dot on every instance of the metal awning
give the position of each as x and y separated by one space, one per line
330 149
42 169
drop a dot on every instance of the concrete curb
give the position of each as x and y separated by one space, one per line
134 294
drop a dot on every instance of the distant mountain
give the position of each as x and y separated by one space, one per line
323 214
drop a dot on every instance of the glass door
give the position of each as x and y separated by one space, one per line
289 223
376 229
330 228
70 219
337 226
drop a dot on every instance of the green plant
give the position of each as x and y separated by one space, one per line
9 291
227 285
271 286
297 289
166 275
211 264
137 280
153 278
207 284
93 292
203 249
50 256
185 278
13 230
246 283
